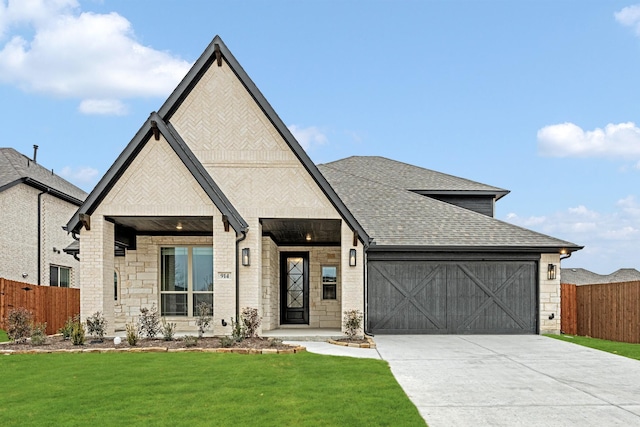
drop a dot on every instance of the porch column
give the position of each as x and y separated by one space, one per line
549 295
96 271
352 278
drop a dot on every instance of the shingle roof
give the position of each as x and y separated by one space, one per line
410 177
581 276
16 167
394 216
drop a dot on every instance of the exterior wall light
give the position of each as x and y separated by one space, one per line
352 258
246 257
551 272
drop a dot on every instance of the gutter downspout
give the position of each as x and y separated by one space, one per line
238 240
40 234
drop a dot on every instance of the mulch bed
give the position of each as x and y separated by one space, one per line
57 343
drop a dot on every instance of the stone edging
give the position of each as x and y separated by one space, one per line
292 350
369 344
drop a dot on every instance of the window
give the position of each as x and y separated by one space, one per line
115 285
186 280
59 276
329 282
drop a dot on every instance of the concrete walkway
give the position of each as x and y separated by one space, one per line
513 381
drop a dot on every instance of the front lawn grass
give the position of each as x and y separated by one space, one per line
3 336
201 389
622 348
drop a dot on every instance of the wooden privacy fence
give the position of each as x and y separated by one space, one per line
48 304
609 311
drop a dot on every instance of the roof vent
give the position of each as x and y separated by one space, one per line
35 153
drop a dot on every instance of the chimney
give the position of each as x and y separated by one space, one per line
35 152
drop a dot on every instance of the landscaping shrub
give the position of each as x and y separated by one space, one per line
168 330
97 325
190 341
237 330
77 332
67 329
38 333
226 341
251 321
132 334
19 324
204 318
352 323
149 322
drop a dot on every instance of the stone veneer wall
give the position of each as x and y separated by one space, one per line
140 278
549 295
270 285
19 237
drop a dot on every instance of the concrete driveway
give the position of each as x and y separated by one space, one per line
513 381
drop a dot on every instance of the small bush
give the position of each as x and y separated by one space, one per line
238 331
275 342
204 318
132 334
352 323
77 332
251 321
97 326
19 324
226 341
149 322
190 341
38 333
168 330
67 328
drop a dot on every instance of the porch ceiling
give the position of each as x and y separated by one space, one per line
298 231
199 225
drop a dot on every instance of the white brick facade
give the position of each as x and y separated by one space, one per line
255 168
19 237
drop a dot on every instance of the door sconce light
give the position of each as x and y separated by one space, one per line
551 272
352 258
246 260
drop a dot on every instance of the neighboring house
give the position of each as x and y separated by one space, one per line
581 276
35 204
214 201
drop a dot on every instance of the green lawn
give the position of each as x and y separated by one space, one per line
201 389
3 336
622 348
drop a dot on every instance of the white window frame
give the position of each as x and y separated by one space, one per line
334 284
58 269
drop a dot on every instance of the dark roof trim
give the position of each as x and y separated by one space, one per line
192 78
529 249
186 156
42 187
497 194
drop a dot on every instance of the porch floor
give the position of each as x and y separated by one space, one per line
303 334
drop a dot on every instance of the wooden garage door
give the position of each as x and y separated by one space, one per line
431 297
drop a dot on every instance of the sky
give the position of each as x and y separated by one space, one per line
537 97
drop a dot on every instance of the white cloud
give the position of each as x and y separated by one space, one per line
80 176
103 106
81 55
610 238
309 136
569 140
630 17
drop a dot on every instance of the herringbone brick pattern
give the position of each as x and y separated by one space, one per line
157 183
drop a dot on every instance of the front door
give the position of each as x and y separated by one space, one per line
294 288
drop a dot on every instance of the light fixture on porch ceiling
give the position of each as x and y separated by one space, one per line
246 257
551 272
308 237
352 258
179 226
